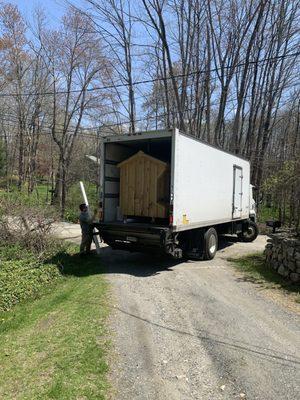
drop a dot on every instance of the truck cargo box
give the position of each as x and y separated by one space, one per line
210 186
165 190
207 185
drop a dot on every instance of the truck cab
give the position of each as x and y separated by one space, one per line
252 213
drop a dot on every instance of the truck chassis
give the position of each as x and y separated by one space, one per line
199 243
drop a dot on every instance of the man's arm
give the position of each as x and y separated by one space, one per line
90 217
87 217
84 217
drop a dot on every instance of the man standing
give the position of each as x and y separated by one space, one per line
86 221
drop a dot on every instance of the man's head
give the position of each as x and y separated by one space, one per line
83 207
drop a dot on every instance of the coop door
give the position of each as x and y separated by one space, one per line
237 192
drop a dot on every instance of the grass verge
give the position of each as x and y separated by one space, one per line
23 275
54 347
42 197
255 270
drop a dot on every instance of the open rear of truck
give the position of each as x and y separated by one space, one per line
205 187
132 232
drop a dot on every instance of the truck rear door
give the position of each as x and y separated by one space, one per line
237 202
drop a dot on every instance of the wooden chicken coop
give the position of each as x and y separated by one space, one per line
144 186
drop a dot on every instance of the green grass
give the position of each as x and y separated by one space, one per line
38 198
41 197
23 275
255 270
266 213
54 347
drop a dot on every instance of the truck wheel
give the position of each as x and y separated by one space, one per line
210 245
249 233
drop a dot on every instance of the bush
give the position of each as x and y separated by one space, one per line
284 188
26 250
23 275
26 226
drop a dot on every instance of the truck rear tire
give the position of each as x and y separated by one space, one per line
249 233
210 244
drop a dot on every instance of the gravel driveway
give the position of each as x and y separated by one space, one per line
198 330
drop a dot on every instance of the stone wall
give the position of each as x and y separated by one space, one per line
283 254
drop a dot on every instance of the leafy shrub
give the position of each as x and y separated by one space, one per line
71 214
284 187
23 275
28 252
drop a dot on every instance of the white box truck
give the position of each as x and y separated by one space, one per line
210 194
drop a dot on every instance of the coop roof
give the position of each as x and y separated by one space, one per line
141 154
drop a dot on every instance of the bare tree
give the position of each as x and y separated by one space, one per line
15 65
155 12
115 25
76 63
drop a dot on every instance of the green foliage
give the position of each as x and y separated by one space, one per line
25 245
55 347
267 213
23 275
41 197
282 179
37 197
52 311
284 188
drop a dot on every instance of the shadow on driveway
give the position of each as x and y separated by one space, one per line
121 262
112 262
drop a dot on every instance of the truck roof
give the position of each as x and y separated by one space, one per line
163 133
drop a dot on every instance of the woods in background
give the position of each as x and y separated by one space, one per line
225 71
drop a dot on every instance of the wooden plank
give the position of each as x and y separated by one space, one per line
122 192
154 188
138 186
152 200
130 189
159 212
127 190
135 206
141 188
160 208
146 204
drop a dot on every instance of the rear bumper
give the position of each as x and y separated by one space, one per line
134 237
